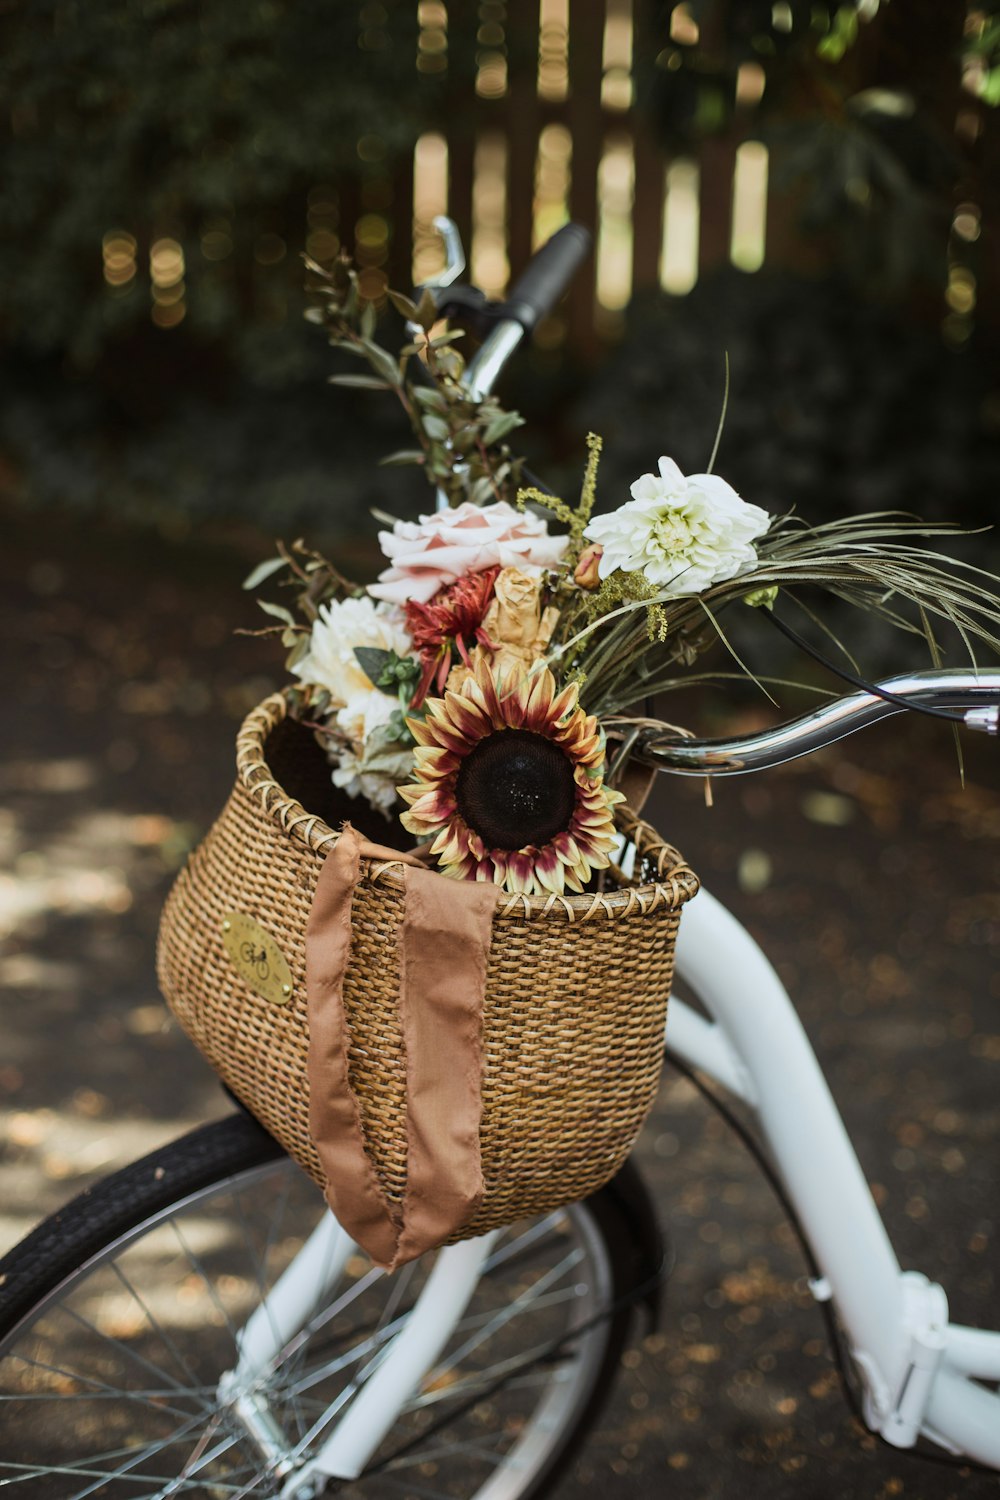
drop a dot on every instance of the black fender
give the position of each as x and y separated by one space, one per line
625 1202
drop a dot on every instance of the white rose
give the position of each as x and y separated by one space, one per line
433 552
366 711
367 767
683 533
342 625
378 791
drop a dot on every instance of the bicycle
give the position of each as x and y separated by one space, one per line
206 1292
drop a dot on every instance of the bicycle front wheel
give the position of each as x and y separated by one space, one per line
119 1316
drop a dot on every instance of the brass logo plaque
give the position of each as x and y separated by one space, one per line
257 958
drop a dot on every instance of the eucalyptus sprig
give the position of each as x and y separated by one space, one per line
315 582
461 439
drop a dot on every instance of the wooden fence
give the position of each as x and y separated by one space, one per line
540 127
546 130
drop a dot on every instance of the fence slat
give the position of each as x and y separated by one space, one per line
650 164
584 117
718 164
522 126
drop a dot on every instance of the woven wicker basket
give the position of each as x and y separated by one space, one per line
575 1004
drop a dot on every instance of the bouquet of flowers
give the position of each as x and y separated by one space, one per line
473 681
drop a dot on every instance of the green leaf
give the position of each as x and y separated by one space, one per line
427 313
298 651
360 382
400 457
429 395
373 662
842 35
435 427
263 570
482 491
390 759
386 669
277 610
990 89
382 362
500 426
404 306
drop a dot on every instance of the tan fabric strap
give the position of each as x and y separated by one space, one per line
444 945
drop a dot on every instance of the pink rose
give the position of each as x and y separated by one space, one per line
434 551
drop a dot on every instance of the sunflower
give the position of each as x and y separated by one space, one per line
509 783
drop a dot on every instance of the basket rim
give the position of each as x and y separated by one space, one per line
676 882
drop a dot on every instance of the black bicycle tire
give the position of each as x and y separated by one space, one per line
63 1244
64 1241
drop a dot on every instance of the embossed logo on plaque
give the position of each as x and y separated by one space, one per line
257 958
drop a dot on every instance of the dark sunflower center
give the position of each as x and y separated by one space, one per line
516 788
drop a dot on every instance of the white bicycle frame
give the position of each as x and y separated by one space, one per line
918 1370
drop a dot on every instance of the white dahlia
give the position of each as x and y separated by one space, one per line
683 533
344 624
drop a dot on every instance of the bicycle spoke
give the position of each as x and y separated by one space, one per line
344 1361
200 1271
154 1324
140 1397
114 1343
506 1249
382 1335
247 1488
167 1315
199 1449
31 1472
151 1397
320 1320
255 1261
519 1305
486 1381
195 1464
448 1450
123 1471
98 1458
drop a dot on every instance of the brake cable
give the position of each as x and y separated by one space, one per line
956 716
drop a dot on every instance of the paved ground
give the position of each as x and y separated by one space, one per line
871 877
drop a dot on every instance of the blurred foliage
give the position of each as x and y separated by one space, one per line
856 102
185 119
837 405
210 123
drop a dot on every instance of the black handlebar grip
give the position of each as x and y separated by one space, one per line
547 275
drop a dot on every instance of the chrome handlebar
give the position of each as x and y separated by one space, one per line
976 696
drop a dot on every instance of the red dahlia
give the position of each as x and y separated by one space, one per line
452 619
